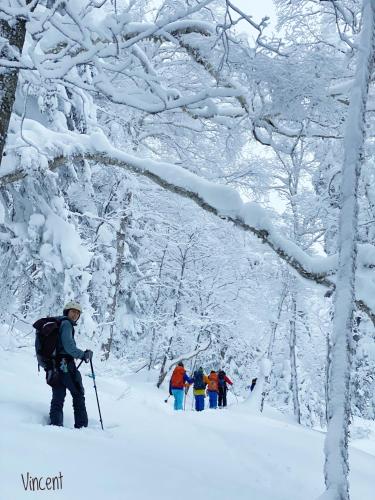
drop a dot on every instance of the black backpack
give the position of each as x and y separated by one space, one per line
47 335
221 377
198 380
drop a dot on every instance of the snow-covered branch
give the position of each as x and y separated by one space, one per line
220 200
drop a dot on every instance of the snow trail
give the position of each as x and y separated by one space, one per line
148 451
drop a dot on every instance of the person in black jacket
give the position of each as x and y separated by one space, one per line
68 375
223 388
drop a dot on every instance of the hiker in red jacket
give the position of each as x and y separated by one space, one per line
177 385
223 388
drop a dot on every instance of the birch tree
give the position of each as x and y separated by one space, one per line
336 446
156 97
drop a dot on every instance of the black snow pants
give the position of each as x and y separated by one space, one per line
70 379
222 396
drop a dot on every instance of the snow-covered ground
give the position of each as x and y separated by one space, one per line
149 452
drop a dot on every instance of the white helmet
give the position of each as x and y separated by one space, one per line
73 305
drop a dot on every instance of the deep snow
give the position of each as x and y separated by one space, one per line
149 452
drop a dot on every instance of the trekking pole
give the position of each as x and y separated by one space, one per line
235 395
185 396
96 392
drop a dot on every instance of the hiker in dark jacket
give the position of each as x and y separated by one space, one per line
223 388
253 384
200 383
68 375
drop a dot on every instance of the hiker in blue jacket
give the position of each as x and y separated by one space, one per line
69 376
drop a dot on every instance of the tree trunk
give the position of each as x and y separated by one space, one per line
120 245
336 445
194 362
163 372
271 344
156 302
326 380
293 358
15 36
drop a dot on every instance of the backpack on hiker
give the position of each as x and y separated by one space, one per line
199 380
46 339
213 384
177 379
221 379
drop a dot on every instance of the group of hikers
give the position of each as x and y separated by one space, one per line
214 385
56 352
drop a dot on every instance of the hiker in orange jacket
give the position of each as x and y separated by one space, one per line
177 384
213 389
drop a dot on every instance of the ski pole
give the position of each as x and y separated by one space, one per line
235 395
166 400
80 363
96 392
185 396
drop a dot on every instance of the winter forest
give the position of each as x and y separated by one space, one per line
204 185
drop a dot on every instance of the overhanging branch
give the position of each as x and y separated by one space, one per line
104 158
324 278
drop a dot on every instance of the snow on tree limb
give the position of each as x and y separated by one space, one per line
218 199
102 47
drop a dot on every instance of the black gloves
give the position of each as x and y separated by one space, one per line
87 355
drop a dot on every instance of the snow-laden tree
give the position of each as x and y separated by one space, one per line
94 93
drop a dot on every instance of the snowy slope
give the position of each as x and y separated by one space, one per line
148 452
